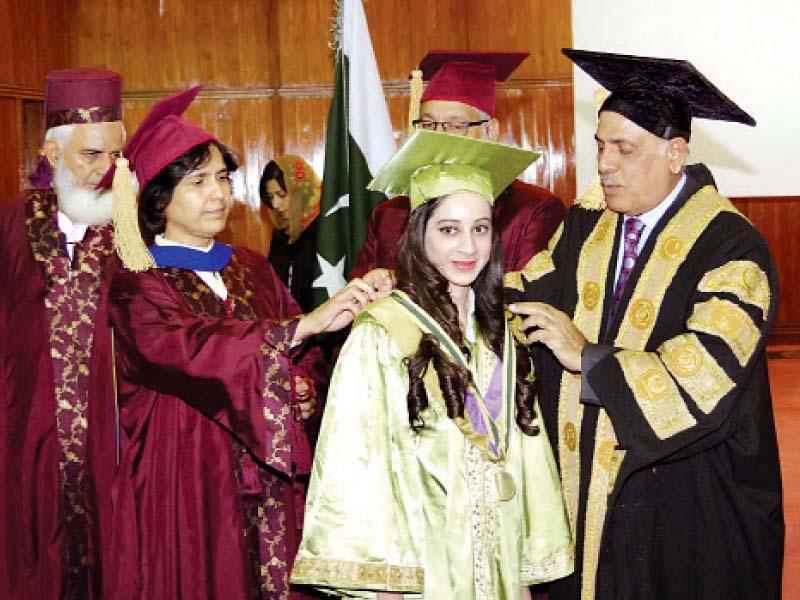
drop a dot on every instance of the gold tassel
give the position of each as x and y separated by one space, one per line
128 240
414 101
593 197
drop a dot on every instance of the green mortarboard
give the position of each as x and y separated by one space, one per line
432 164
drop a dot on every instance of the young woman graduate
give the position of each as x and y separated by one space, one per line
433 476
209 395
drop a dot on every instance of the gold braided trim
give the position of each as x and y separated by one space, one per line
742 278
555 238
346 574
672 247
696 370
538 266
655 392
730 322
605 466
570 417
593 265
553 567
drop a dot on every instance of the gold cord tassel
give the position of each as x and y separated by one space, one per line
128 240
593 197
414 101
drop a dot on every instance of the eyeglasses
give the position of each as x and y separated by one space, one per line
457 127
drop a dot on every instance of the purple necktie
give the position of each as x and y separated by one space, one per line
633 231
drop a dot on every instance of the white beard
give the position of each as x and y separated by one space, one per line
79 204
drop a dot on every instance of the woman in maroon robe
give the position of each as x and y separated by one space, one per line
210 386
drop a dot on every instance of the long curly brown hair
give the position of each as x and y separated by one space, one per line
427 287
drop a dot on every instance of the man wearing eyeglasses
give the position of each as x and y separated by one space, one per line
460 100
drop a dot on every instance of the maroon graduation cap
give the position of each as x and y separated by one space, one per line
163 135
78 96
467 76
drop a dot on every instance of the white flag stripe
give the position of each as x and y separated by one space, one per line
369 123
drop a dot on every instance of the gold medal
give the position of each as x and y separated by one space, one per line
506 488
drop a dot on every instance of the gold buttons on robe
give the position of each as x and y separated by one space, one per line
590 295
726 320
672 248
685 359
652 384
642 313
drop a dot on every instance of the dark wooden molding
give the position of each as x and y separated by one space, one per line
25 93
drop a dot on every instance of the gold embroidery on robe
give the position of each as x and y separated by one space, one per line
742 278
538 266
672 246
729 322
696 370
409 578
607 460
657 395
592 271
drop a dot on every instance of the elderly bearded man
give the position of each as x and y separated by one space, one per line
57 422
460 99
651 311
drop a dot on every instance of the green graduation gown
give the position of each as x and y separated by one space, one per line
392 510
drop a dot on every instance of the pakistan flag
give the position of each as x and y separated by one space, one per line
358 143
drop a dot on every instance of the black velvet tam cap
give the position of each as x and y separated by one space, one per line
660 95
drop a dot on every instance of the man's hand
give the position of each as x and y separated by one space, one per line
552 328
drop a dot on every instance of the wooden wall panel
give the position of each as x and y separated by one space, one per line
778 219
170 44
540 118
303 34
542 28
32 132
33 40
403 31
9 149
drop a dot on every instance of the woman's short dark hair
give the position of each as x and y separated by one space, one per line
157 194
271 171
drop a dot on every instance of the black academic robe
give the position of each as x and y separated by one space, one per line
672 484
299 259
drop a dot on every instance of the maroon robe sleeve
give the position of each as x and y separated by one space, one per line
276 301
527 217
386 224
234 372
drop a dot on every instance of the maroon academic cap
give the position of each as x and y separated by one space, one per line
467 76
163 136
78 96
660 95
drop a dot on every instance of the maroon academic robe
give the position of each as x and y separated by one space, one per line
526 215
203 500
57 433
